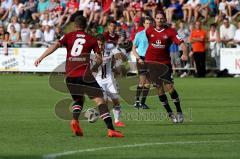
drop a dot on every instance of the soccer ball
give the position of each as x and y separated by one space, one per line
92 115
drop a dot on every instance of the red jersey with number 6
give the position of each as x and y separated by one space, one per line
79 46
159 42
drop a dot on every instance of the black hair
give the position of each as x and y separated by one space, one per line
80 21
213 25
113 22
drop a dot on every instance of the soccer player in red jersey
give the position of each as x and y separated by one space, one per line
110 35
158 60
79 78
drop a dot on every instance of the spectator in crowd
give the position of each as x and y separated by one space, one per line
136 28
46 21
174 11
237 36
48 34
83 4
42 6
29 8
1 34
52 5
6 5
131 8
63 3
6 43
198 39
236 9
120 31
3 15
71 8
213 7
214 46
92 11
25 34
174 53
236 40
150 7
124 26
17 8
36 36
14 36
203 9
232 7
223 12
55 14
58 33
190 9
2 40
14 22
227 32
183 33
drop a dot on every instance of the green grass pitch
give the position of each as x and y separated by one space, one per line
29 128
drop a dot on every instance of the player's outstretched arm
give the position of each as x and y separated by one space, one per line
134 52
185 52
49 51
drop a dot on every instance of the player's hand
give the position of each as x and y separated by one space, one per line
140 61
184 57
37 62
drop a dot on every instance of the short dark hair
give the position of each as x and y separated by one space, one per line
80 21
226 19
147 18
160 12
213 25
113 22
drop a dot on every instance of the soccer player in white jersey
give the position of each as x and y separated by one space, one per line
105 77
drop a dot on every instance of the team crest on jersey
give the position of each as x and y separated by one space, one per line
158 44
165 36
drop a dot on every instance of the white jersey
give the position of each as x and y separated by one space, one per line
105 77
105 70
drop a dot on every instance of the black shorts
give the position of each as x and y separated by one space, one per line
79 86
160 73
142 68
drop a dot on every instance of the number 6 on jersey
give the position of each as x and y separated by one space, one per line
77 47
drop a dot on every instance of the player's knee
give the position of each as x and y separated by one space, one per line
99 101
170 88
147 85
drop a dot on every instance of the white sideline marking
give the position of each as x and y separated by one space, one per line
55 155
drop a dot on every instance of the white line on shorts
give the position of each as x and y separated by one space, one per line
55 155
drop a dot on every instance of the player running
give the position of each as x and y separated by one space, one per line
159 63
105 77
79 78
140 45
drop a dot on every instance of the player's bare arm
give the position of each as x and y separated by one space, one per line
134 51
49 51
